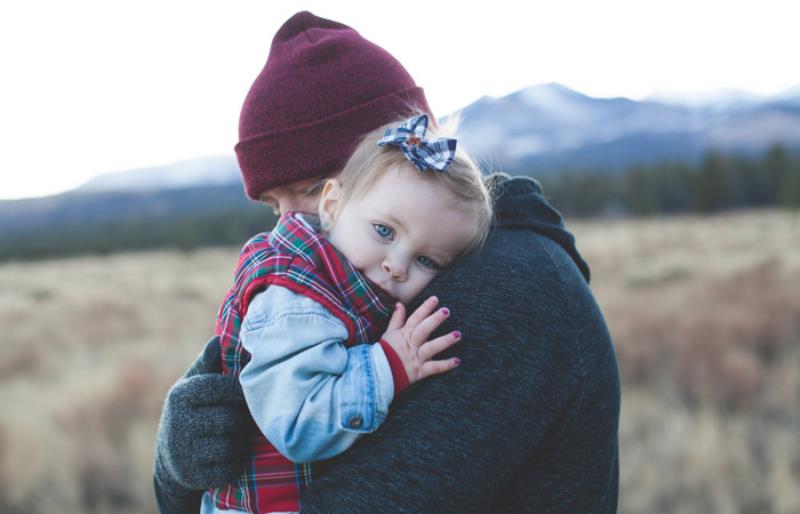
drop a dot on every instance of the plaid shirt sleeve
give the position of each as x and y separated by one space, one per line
311 396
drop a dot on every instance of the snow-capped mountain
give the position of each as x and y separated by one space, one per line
548 127
718 99
206 171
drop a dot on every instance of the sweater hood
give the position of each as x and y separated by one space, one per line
519 203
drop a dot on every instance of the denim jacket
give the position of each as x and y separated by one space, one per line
311 396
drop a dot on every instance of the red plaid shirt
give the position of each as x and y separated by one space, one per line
295 256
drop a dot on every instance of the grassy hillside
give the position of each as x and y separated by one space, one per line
704 313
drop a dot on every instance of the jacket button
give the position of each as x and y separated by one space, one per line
355 422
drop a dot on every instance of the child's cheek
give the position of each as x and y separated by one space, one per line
415 286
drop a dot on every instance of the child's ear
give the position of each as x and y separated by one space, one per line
329 202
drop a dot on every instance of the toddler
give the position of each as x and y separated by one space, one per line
311 297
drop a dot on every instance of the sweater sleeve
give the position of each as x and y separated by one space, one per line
311 396
458 442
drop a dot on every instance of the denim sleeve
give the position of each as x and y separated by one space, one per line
311 396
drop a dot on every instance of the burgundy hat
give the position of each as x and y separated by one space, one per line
323 87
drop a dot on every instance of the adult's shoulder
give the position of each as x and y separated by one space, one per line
520 204
529 254
529 284
517 269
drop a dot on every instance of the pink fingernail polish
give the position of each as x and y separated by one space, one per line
457 334
458 361
446 311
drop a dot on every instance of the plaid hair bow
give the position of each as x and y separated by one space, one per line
424 154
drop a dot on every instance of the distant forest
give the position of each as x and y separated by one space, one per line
718 182
224 228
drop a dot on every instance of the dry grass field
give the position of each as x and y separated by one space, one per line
704 312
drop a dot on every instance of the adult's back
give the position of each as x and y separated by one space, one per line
528 422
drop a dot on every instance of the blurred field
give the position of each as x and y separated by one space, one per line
705 315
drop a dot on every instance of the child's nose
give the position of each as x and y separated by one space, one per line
395 268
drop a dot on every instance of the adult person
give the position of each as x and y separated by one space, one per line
527 423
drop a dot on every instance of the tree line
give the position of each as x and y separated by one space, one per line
718 182
225 228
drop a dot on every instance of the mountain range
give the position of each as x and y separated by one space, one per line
549 127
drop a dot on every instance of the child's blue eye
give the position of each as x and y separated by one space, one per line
428 262
383 231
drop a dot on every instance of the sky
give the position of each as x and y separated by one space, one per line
94 87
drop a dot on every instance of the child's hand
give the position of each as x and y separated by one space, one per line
409 339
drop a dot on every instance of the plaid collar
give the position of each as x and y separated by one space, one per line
299 234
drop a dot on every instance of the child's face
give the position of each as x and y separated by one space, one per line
400 233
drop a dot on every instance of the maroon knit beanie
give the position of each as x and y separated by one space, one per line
323 87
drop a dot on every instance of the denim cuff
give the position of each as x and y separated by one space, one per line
364 396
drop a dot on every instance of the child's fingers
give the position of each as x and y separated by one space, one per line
422 312
431 368
435 346
425 328
398 317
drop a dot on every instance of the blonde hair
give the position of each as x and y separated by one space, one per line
463 177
